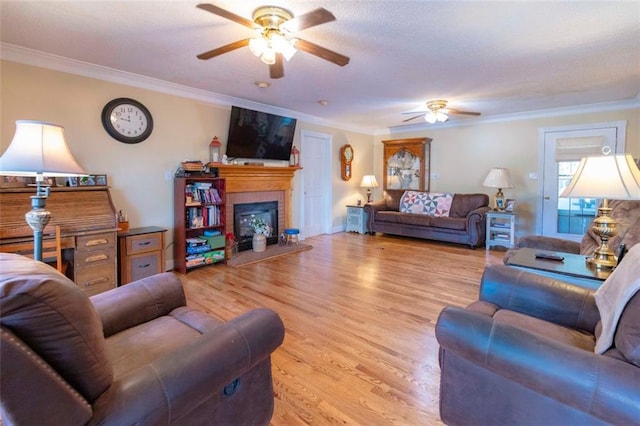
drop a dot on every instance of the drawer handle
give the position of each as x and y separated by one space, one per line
144 243
96 281
96 258
144 266
99 242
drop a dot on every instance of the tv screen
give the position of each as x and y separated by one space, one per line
254 134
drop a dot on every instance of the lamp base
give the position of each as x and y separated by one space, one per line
37 218
604 226
369 196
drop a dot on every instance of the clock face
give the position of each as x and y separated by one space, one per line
127 120
348 154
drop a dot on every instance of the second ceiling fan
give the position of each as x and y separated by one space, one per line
273 43
437 111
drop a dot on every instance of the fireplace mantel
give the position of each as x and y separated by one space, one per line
252 183
256 178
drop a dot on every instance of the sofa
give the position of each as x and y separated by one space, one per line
462 220
132 355
538 351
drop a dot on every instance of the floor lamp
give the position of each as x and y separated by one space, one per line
608 177
37 150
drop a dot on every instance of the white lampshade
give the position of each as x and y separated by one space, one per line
368 181
39 149
498 178
614 176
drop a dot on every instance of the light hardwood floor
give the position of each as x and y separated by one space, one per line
359 312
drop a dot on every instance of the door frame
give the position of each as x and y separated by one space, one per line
621 137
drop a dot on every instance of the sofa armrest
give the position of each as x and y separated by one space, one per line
540 296
138 302
548 243
371 209
176 384
599 385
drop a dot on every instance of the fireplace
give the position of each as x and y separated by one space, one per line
245 212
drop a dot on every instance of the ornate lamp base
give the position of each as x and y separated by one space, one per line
605 228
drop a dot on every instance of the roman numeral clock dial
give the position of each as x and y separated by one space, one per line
127 120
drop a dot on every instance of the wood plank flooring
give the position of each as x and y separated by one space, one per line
359 312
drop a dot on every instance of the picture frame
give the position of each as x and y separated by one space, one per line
89 180
510 205
407 164
13 182
101 180
73 181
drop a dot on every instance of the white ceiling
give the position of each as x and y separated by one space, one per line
495 57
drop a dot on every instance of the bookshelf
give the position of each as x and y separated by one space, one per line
199 222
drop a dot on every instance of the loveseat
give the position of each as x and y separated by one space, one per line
534 350
133 355
454 218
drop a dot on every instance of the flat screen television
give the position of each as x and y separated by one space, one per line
259 135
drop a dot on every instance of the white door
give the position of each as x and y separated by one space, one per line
568 218
315 159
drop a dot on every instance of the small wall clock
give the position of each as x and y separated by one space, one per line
127 120
346 157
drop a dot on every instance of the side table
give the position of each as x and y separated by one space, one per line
501 229
573 268
140 253
356 219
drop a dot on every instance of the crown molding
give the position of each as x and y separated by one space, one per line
41 59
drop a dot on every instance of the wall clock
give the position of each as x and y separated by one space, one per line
346 157
127 120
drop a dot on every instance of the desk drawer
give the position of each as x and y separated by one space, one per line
144 265
88 259
144 243
96 279
96 241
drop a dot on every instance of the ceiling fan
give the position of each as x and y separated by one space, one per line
437 111
272 44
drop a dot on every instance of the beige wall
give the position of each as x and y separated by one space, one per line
462 156
182 130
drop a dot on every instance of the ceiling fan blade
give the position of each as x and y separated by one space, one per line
456 111
231 16
277 70
224 49
414 112
308 20
412 118
322 52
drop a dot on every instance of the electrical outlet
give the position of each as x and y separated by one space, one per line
435 175
533 175
168 175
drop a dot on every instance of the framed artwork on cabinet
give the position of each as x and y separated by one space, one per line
407 164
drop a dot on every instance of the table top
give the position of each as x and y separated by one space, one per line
574 265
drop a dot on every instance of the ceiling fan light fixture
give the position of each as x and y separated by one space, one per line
269 56
257 46
283 46
430 117
441 116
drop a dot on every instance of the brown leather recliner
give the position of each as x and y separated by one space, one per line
133 355
525 353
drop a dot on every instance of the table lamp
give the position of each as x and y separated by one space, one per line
39 149
368 181
498 178
608 177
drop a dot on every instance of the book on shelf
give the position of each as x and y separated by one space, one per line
201 192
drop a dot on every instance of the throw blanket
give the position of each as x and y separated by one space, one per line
429 203
613 295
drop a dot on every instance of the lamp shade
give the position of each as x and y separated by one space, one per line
368 181
613 176
39 149
498 178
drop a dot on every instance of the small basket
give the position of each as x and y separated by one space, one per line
191 166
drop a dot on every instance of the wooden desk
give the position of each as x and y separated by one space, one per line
87 220
573 268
